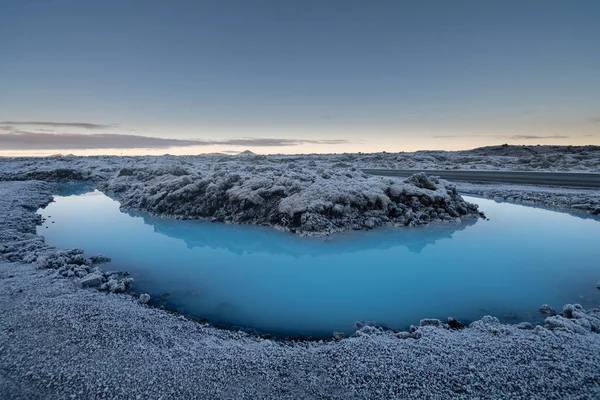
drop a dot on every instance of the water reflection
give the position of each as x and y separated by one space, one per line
238 240
76 189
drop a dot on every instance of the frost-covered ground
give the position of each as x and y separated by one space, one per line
66 333
313 193
509 158
59 340
582 201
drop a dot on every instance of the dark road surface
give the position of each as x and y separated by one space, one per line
561 179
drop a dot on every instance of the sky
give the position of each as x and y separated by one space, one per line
193 76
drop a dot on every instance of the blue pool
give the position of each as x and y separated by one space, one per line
263 279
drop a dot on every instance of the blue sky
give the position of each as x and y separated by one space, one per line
320 76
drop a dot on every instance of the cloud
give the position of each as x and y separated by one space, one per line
595 120
265 142
454 136
85 125
513 137
531 137
23 140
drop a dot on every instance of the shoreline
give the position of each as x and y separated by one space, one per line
60 340
44 196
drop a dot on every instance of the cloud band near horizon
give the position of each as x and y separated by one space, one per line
86 125
22 140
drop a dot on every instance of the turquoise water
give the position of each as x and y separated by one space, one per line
263 279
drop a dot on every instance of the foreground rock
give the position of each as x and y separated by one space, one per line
100 259
303 200
144 298
19 242
92 280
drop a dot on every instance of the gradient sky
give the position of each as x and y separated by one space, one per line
309 76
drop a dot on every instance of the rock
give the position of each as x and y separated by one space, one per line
490 325
454 323
338 335
421 180
145 298
541 331
92 280
558 322
302 202
128 282
430 322
114 286
368 331
360 324
571 310
525 326
403 335
100 258
545 309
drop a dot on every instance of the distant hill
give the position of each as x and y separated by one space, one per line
246 153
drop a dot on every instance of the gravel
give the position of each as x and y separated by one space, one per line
60 341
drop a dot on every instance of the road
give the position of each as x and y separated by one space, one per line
560 179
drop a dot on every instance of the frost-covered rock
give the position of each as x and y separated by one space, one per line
99 259
453 323
114 286
430 322
558 322
298 199
361 324
545 309
403 335
489 324
575 319
144 298
338 335
525 325
572 310
92 280
368 331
